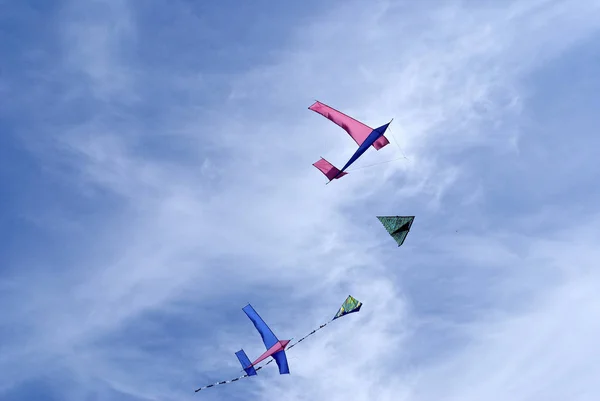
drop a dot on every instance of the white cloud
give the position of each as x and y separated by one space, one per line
545 351
265 222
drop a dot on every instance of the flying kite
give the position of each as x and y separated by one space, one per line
276 348
397 226
362 134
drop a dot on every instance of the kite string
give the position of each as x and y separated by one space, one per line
397 144
222 382
376 164
310 334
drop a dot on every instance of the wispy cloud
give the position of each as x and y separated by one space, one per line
186 190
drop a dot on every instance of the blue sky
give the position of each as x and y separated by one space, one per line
155 166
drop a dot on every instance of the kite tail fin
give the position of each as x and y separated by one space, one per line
328 169
246 364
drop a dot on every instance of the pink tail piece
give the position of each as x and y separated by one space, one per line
328 169
357 130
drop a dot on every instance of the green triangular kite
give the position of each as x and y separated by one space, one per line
397 226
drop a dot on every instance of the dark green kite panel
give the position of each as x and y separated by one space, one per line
397 226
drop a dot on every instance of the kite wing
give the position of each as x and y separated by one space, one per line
282 363
246 364
357 130
269 339
397 226
328 169
350 305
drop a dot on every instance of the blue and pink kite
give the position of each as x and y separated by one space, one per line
275 347
362 134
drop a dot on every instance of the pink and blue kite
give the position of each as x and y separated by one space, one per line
276 348
362 134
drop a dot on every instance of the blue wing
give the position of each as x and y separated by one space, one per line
269 339
282 362
246 364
